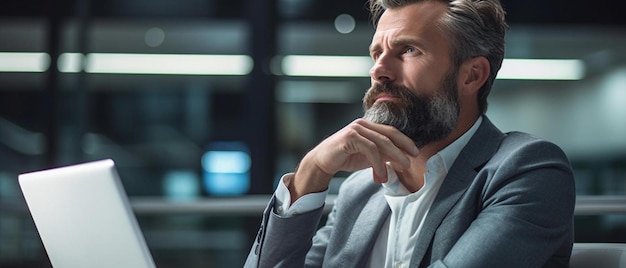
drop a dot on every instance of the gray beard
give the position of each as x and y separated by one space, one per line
382 113
424 119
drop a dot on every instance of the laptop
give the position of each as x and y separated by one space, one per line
84 218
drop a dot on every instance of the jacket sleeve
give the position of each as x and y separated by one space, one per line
283 241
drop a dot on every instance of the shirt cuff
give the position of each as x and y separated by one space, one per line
306 203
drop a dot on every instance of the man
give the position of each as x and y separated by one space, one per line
438 185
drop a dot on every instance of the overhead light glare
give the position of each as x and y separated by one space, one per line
70 62
542 69
326 66
182 64
27 62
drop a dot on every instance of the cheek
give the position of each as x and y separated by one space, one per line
421 76
420 82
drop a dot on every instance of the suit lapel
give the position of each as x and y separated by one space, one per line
366 229
478 151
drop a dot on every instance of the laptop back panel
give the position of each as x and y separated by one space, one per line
84 218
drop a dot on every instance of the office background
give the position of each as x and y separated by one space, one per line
208 102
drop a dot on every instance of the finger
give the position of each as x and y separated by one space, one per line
368 149
385 146
394 135
377 179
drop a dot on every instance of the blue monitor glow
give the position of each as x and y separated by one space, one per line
226 169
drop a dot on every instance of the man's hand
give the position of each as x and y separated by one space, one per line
361 144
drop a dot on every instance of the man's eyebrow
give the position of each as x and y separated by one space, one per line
398 42
374 47
401 42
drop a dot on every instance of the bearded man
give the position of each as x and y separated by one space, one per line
436 184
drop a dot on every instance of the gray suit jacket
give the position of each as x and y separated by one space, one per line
507 201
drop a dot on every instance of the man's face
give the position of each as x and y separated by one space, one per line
414 85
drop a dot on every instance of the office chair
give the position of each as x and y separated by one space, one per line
598 255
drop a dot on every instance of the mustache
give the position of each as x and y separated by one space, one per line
400 92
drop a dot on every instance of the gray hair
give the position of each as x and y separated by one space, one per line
474 27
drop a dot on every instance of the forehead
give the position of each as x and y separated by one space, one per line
418 20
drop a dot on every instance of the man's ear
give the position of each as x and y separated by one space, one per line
473 74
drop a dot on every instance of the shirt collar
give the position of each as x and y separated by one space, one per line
452 151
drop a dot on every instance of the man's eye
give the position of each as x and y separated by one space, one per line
375 55
410 50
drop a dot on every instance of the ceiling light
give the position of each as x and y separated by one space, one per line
185 64
542 69
326 66
35 62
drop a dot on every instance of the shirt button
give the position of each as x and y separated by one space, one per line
397 265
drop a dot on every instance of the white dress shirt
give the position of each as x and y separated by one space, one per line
400 232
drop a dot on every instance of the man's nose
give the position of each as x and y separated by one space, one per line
381 71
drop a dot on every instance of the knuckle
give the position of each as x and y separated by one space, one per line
386 140
370 145
358 120
351 133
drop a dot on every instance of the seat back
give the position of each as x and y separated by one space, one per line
598 255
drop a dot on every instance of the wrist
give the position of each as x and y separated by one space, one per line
307 179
